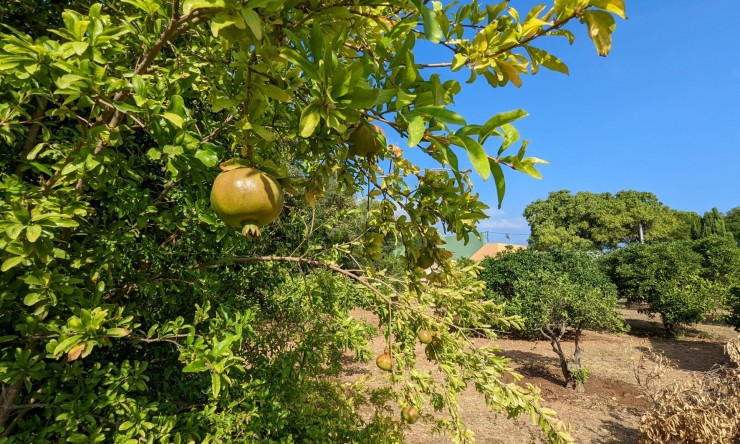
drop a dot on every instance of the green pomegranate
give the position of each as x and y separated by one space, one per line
424 336
366 140
246 198
426 259
384 362
410 414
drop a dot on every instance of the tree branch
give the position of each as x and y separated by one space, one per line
296 260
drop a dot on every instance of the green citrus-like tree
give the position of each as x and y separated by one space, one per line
130 313
682 280
556 293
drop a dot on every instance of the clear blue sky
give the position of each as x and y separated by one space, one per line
661 113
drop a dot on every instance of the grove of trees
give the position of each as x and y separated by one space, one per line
130 313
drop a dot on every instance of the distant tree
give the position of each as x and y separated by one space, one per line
732 223
599 221
555 292
686 221
682 280
711 224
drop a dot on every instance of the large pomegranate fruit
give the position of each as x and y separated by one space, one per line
425 337
384 362
246 198
366 140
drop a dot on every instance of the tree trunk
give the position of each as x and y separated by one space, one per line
557 348
576 362
7 400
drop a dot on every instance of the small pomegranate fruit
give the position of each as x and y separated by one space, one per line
366 140
425 337
384 362
246 198
410 414
426 260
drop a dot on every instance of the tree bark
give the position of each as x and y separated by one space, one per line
7 400
576 361
557 348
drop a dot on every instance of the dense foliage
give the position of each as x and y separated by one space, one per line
732 223
682 281
712 223
555 292
603 221
130 313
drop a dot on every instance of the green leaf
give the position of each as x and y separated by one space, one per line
125 107
7 338
33 232
65 344
174 118
207 157
564 8
544 58
498 177
10 263
499 120
310 119
196 366
276 93
416 130
432 28
292 56
189 6
253 21
615 6
77 438
478 156
15 230
118 332
67 80
458 61
215 384
31 299
600 24
440 113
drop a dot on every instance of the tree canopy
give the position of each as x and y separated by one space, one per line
732 223
130 313
599 221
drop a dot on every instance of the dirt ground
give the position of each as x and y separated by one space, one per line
609 410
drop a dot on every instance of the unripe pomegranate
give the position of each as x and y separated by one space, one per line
246 198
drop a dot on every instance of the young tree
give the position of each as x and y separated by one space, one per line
556 293
130 312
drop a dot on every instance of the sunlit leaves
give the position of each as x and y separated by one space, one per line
600 24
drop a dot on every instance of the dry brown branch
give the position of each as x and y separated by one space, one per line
703 410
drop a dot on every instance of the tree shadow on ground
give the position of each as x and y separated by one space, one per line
535 366
687 353
615 432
